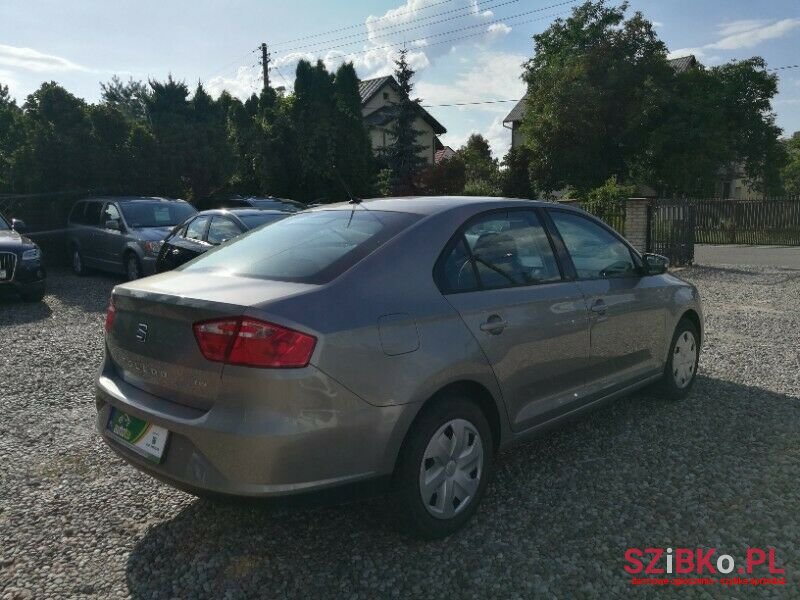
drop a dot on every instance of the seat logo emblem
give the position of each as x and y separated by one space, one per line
141 332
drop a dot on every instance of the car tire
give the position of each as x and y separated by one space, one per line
680 371
450 444
78 266
133 267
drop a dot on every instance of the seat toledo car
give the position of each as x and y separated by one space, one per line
407 338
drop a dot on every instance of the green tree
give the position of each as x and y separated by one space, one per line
479 165
209 162
353 147
515 178
11 137
129 98
791 172
445 178
402 156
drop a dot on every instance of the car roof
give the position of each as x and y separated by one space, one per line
241 212
429 205
127 199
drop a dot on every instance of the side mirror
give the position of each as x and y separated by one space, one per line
18 225
114 224
655 264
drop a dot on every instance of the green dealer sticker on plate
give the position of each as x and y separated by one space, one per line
140 436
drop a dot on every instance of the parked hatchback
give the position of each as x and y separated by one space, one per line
121 235
209 228
406 338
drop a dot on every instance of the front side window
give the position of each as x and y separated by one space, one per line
110 213
77 214
306 247
4 226
197 229
222 230
595 252
501 249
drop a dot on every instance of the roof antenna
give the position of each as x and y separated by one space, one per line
344 186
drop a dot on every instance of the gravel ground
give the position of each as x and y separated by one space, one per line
717 470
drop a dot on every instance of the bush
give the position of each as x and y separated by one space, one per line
481 187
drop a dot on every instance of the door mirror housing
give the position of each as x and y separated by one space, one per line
655 264
114 224
18 225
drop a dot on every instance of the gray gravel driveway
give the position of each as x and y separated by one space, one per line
720 469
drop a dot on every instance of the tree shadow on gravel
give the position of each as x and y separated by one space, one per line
719 469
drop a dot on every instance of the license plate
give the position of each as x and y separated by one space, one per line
140 436
2 273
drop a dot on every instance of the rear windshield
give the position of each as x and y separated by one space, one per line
156 214
253 221
308 247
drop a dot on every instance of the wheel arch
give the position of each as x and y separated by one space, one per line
692 316
470 389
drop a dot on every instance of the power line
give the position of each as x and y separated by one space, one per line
470 103
230 64
481 25
361 35
361 24
783 68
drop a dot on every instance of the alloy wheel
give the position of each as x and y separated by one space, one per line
451 469
132 268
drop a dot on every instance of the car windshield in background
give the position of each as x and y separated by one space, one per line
4 226
276 204
313 247
156 214
253 221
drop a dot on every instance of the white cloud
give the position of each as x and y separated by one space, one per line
242 85
422 31
745 33
658 24
748 34
489 76
9 79
32 60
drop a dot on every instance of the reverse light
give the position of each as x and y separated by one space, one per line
253 343
110 314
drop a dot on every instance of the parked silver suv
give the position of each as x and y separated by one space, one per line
121 235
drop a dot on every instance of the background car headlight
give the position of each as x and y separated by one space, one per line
32 254
152 248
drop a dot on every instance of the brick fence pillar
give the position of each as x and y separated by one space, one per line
636 222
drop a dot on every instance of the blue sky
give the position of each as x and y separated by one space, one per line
82 43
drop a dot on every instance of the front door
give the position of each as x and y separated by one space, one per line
502 276
627 314
112 241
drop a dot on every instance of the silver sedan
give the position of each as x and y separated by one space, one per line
407 338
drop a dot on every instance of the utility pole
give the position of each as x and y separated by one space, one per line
265 64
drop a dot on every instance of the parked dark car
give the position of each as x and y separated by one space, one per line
207 229
122 235
264 203
21 268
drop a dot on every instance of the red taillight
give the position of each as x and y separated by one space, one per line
253 343
110 314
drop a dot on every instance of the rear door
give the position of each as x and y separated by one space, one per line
501 274
627 310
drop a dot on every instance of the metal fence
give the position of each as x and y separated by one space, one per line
613 216
774 221
671 230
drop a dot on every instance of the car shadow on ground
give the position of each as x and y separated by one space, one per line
718 469
14 310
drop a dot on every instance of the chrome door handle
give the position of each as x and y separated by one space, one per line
599 307
494 325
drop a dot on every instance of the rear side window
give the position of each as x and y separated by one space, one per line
197 229
312 247
76 216
222 230
498 250
92 214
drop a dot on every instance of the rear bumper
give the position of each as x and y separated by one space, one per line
318 436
